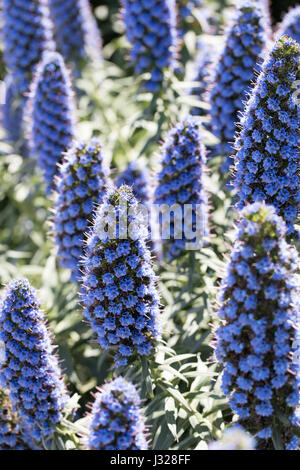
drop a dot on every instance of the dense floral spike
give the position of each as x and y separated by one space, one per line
51 115
119 288
290 25
30 368
180 181
117 420
234 438
151 30
76 31
10 430
139 179
259 341
267 153
202 75
235 72
26 34
80 185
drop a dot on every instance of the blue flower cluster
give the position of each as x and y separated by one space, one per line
259 340
117 420
52 115
10 430
151 30
290 25
76 31
139 179
267 149
26 34
235 72
30 370
119 287
180 182
80 185
202 75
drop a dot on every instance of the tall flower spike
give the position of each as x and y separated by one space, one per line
27 32
10 429
119 287
290 25
117 420
259 340
151 31
76 31
80 185
235 73
267 153
139 179
30 368
180 182
52 115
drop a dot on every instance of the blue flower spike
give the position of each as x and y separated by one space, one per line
117 422
151 31
51 116
180 182
235 72
267 159
76 32
81 186
27 33
119 291
258 343
30 369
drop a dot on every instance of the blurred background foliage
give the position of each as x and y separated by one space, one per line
181 384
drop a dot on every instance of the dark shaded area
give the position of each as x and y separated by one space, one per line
106 22
280 7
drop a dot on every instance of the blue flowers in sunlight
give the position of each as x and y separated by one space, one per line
151 31
52 115
117 422
30 370
76 31
119 287
259 340
267 158
81 184
180 182
235 72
